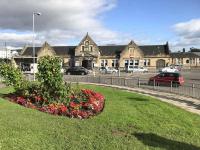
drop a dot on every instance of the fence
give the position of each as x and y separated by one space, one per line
188 89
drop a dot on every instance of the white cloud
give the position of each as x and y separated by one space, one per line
188 34
61 21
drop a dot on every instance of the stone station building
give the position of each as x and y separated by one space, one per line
89 55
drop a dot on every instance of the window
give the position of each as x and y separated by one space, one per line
104 63
91 48
187 61
131 63
193 60
126 63
83 48
146 62
136 62
114 63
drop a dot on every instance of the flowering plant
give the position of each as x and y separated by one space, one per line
81 105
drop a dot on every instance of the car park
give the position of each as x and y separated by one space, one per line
77 71
167 78
136 69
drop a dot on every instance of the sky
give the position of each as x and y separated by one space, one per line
66 22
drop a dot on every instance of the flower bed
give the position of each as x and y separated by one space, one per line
82 105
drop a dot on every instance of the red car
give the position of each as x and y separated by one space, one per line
166 78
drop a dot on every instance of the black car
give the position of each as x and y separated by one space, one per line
77 71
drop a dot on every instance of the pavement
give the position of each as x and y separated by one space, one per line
186 103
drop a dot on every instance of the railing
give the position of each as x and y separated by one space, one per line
188 89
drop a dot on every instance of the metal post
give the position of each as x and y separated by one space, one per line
34 13
171 86
119 72
138 82
111 81
193 90
124 81
154 84
33 46
6 52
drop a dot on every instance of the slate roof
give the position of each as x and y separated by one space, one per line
110 50
155 49
29 51
60 50
183 55
113 50
146 49
194 50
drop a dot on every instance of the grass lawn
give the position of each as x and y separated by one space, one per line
129 121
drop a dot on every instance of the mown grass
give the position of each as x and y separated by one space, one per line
129 121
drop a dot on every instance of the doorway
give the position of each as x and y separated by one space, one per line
160 63
87 64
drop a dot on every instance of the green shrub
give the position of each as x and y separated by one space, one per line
51 80
12 76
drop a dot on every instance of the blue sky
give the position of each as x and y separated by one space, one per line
65 22
152 19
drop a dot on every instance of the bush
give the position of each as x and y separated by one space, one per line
51 79
12 76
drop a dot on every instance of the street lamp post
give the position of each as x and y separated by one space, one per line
38 14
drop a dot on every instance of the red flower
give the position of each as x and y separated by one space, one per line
62 108
74 105
21 101
38 98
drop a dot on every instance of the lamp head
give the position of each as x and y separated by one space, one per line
37 13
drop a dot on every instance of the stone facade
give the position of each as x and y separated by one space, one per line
89 55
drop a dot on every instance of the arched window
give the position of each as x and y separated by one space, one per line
187 61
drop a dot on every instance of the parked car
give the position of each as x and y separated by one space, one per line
178 67
77 71
169 69
136 69
167 78
108 70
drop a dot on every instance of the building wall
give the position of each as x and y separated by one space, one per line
46 50
187 62
5 53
